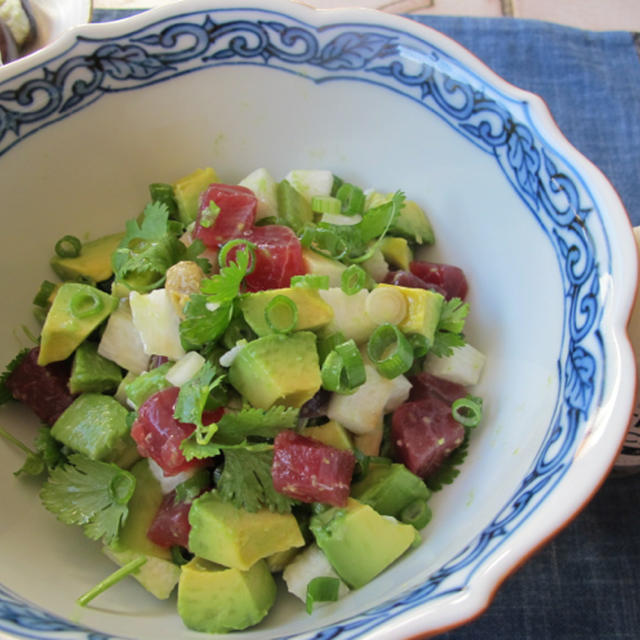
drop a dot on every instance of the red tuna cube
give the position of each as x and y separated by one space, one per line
311 471
424 433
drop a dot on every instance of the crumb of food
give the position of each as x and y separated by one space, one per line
16 18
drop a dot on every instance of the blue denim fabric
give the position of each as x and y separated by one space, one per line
585 583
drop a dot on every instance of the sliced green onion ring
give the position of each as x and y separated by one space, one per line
228 246
328 243
41 298
326 204
343 368
351 198
311 280
85 304
322 589
390 351
353 279
68 247
209 215
419 344
467 411
281 314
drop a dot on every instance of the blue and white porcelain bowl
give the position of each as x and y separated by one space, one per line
87 123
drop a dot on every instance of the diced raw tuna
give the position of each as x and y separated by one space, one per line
425 385
446 276
424 433
170 526
159 435
42 388
310 471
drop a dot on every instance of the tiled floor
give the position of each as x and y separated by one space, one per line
586 14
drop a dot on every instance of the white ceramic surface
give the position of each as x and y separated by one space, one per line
381 101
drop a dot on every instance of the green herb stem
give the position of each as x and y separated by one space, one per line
131 567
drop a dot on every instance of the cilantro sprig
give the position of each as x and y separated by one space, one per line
150 247
5 394
46 456
90 493
450 326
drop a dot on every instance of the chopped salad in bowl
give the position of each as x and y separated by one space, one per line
250 383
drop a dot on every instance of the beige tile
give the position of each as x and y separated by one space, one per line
586 14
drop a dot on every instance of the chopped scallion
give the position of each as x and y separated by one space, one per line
416 513
419 343
68 247
248 246
390 351
209 215
322 589
281 314
351 198
85 304
467 411
343 368
326 204
311 280
353 279
41 298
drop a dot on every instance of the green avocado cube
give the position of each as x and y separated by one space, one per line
95 425
75 312
389 488
93 263
331 433
187 190
233 537
312 311
359 542
93 373
217 599
277 369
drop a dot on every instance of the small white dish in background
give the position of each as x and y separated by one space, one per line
54 17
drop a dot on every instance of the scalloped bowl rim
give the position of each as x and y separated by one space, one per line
590 464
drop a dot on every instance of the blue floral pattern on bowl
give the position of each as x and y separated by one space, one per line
490 118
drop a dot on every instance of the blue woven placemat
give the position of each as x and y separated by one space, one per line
584 584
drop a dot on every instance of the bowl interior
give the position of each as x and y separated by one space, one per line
85 171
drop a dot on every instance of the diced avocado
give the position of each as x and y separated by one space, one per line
293 209
217 599
277 369
278 561
320 265
187 192
411 223
159 575
93 263
312 311
143 506
91 372
423 311
397 252
75 312
147 383
359 542
95 425
331 433
389 488
226 535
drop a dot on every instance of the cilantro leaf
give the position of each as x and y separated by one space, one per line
90 493
47 455
5 394
192 400
234 428
449 330
449 470
246 482
148 249
224 287
202 325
